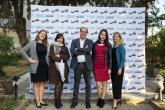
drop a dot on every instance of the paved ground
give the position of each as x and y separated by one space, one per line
81 106
132 101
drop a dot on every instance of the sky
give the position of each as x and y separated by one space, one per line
161 5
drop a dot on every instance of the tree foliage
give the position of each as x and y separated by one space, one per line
12 10
155 46
155 19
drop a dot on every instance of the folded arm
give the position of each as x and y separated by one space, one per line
74 51
87 49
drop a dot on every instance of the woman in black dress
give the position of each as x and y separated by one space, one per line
38 65
118 60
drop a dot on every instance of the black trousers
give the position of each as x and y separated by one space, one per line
82 69
117 81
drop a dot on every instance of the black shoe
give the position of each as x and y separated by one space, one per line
88 105
98 102
102 103
38 106
119 103
73 105
57 105
44 104
61 104
114 107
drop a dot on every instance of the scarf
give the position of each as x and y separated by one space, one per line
57 48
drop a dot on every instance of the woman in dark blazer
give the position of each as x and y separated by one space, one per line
58 52
118 60
38 58
102 60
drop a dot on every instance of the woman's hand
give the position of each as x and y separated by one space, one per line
57 55
109 71
33 61
119 71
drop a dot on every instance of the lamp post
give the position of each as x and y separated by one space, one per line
15 85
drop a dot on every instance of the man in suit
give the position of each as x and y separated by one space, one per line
81 62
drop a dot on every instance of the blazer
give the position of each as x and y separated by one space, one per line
53 73
120 56
107 53
31 48
86 50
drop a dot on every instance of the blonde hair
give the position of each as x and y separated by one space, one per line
45 41
121 39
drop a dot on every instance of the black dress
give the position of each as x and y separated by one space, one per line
42 69
117 80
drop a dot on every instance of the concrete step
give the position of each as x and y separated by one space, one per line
127 98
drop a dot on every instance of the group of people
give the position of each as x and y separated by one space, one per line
101 58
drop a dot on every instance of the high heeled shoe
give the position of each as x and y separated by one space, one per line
38 106
114 107
119 102
44 104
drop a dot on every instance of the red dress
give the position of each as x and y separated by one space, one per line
100 68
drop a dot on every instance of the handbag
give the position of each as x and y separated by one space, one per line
61 68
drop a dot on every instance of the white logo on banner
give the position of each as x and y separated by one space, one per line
130 22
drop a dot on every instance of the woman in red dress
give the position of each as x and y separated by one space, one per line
102 65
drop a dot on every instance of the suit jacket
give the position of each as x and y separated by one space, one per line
31 48
86 50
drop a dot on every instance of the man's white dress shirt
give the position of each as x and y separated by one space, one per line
81 58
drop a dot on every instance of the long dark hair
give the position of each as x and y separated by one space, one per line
45 41
106 42
59 35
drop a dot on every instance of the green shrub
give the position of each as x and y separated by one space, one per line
10 104
8 54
